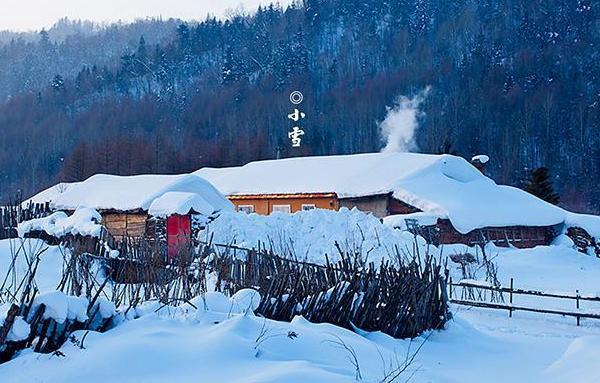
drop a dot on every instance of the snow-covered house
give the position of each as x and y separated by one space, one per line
443 193
126 203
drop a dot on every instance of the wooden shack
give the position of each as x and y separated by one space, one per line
133 206
387 184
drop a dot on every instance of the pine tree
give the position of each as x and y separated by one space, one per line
540 185
58 83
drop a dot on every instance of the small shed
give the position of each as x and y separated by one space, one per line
131 206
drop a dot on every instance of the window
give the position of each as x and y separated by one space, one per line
282 208
308 206
248 209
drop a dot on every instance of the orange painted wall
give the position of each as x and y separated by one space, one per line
264 206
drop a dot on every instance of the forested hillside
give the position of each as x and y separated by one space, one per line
517 80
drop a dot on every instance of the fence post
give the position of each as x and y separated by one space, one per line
510 298
450 285
577 300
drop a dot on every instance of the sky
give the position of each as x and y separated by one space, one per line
24 15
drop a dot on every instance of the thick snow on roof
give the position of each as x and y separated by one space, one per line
179 203
50 194
589 223
125 193
84 221
348 176
442 185
481 158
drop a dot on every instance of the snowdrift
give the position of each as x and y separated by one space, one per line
310 235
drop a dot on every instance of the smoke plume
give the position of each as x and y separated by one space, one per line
399 127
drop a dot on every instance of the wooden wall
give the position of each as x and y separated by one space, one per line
517 236
264 205
400 207
125 225
378 204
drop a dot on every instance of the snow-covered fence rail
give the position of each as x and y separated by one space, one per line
400 300
471 295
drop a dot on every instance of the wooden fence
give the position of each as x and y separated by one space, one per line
400 300
474 294
14 213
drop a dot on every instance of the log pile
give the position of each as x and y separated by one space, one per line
584 242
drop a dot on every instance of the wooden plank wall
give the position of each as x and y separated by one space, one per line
125 225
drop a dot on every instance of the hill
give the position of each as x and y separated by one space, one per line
516 81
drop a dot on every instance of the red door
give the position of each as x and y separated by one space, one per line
179 234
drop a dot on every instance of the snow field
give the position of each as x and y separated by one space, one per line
187 345
222 340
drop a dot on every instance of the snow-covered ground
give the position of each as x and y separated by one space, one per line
49 272
188 345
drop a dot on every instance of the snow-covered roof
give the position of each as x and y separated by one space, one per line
589 223
442 185
129 193
50 194
481 158
179 203
84 221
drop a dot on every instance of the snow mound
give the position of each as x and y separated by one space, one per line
312 235
19 330
481 158
84 221
246 300
105 308
180 203
213 301
61 307
589 223
579 363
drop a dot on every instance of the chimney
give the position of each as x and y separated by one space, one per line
479 161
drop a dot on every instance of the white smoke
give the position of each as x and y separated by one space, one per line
398 129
